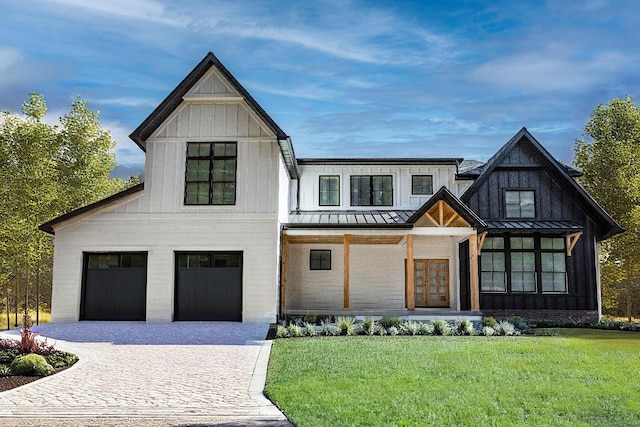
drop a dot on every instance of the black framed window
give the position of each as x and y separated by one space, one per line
117 260
520 204
492 265
210 260
553 265
320 259
211 173
523 264
422 184
371 190
329 190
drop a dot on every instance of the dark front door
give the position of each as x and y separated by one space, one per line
114 286
208 286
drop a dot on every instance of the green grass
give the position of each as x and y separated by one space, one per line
45 317
582 378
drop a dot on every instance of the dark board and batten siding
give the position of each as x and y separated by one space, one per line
525 168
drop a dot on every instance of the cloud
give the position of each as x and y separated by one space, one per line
127 152
126 102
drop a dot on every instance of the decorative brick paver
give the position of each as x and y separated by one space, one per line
135 370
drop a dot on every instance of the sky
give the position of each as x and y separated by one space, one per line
342 78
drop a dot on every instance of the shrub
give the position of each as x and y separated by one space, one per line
328 328
489 321
411 328
440 327
488 331
380 330
506 328
7 356
389 321
425 328
310 318
61 358
294 330
519 323
465 327
5 371
393 331
8 344
282 332
31 364
309 329
29 343
368 326
345 324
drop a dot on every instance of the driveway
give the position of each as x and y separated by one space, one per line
137 373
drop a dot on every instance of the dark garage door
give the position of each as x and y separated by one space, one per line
208 286
114 286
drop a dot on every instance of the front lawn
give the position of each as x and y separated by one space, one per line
583 378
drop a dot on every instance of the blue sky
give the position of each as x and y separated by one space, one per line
343 78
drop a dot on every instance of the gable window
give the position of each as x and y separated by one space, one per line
320 259
422 184
371 190
520 204
492 265
553 264
329 190
211 173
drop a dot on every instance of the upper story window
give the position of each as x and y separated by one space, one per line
211 173
422 184
329 190
520 204
372 190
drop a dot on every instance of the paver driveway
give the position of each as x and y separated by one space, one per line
134 370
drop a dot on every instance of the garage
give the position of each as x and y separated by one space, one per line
114 286
208 286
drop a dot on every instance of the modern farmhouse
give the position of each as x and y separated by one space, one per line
229 225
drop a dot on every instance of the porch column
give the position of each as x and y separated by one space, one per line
346 241
283 273
411 285
474 283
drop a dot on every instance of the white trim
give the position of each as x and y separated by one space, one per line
198 97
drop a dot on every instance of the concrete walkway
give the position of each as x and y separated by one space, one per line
136 373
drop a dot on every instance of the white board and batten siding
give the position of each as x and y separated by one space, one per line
443 175
156 220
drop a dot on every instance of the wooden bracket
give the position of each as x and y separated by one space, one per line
571 240
481 238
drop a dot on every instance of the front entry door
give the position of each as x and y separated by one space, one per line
431 278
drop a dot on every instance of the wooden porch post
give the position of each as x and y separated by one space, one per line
283 274
474 282
411 285
346 241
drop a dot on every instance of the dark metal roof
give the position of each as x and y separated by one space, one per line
350 219
171 102
48 226
378 161
534 226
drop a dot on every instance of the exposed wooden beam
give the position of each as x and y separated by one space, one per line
337 239
481 238
431 219
474 282
452 218
283 274
441 213
346 243
571 241
411 285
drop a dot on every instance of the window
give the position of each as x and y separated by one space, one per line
520 204
553 264
211 173
210 260
330 190
372 190
117 260
421 184
523 264
492 265
320 259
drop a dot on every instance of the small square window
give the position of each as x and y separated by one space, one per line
320 260
422 184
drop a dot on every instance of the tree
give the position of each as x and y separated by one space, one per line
46 170
611 166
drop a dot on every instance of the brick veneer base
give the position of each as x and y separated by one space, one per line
534 316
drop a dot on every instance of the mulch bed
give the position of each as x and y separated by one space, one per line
7 383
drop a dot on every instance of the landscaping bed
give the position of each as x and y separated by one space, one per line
13 381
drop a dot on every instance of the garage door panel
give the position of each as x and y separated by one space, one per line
209 294
114 293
